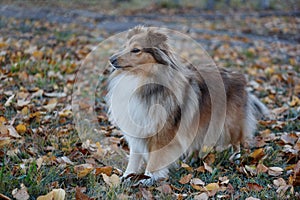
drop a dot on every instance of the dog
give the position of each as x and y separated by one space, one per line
168 109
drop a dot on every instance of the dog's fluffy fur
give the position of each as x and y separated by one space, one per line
166 108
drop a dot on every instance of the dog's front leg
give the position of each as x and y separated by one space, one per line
135 157
134 164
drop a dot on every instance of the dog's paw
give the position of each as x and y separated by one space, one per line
236 158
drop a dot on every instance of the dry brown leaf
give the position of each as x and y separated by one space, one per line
106 170
261 168
112 180
185 179
20 194
296 177
290 138
187 167
80 195
278 111
51 104
275 171
254 187
55 194
3 129
210 159
83 170
4 141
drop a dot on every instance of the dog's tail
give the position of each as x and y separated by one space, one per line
257 108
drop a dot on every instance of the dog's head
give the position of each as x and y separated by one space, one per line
144 46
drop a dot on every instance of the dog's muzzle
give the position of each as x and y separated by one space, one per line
113 61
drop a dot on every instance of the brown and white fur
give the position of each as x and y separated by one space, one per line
165 108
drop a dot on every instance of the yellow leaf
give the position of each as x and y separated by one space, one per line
212 186
21 128
55 194
258 153
2 120
38 54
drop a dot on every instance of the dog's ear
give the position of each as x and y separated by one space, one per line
156 38
134 31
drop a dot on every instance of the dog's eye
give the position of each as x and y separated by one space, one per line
135 50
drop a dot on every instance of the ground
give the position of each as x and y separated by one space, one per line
42 48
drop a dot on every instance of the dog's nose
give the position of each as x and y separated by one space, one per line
113 60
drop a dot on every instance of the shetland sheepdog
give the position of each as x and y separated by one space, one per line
168 109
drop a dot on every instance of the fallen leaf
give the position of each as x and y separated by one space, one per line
251 169
39 162
106 170
290 138
55 94
279 182
21 128
21 103
207 167
3 129
278 111
187 167
65 159
9 100
112 180
261 168
165 189
55 194
257 154
20 194
275 171
185 179
212 186
4 141
252 198
13 132
202 196
197 181
254 187
80 195
83 170
51 104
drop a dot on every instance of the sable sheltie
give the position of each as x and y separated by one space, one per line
167 109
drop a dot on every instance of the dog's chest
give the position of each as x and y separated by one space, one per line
129 111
